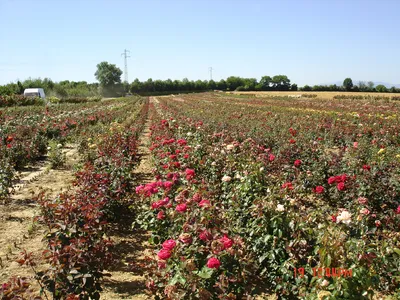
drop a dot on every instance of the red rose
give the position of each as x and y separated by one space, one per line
181 207
213 263
186 156
333 218
398 210
9 139
155 205
167 184
163 201
319 189
227 242
189 174
164 254
331 180
297 163
271 157
287 185
292 141
205 236
366 167
9 146
161 215
169 245
340 186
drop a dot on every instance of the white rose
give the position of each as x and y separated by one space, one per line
261 169
213 163
280 207
226 178
325 283
344 217
189 134
230 147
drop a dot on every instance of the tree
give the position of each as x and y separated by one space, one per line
306 88
265 83
294 87
281 83
381 88
371 85
348 84
362 86
108 75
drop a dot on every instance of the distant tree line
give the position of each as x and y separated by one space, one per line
110 85
348 86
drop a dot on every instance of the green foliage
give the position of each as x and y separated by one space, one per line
57 158
348 84
381 88
108 74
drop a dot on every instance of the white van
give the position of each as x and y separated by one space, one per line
34 93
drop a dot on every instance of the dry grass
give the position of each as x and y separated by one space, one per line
322 95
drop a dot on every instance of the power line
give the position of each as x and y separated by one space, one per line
210 69
125 54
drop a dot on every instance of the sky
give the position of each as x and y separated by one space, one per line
310 41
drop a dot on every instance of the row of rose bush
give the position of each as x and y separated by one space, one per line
20 100
78 221
228 210
25 134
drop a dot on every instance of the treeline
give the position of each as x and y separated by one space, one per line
348 86
62 89
114 87
68 88
232 83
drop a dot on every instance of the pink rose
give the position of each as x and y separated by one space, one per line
341 186
161 215
271 157
362 200
205 236
204 203
167 184
189 173
169 245
164 254
181 207
227 242
297 163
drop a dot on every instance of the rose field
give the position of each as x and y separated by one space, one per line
244 197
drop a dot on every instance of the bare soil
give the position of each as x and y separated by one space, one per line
131 247
18 230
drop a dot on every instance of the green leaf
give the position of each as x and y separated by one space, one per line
204 273
397 250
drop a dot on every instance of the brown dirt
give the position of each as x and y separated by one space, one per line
17 228
131 247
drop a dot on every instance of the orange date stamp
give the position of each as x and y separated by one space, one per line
324 272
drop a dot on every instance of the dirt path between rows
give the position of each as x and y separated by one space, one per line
17 229
131 247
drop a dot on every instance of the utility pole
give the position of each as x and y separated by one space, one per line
125 54
210 69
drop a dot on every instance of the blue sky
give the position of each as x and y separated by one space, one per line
312 42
